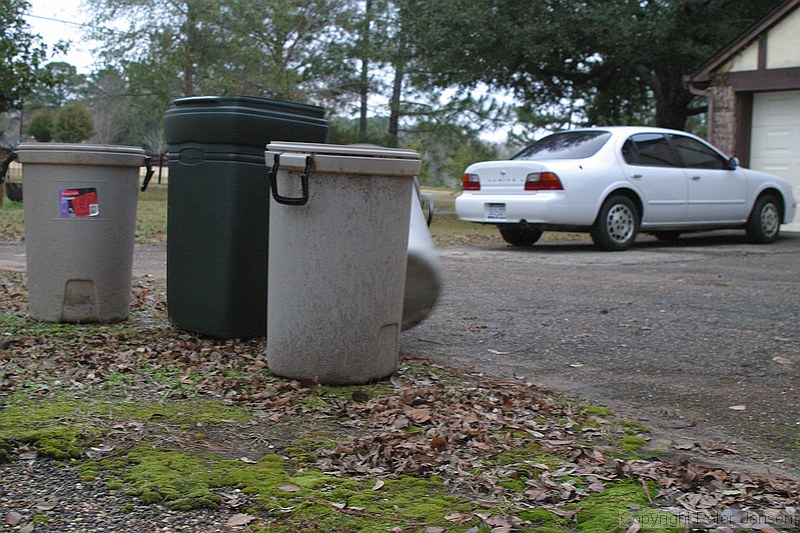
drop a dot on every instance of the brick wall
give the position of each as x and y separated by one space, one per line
722 119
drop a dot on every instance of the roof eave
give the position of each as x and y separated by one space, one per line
705 73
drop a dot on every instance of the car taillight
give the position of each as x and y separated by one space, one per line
472 182
543 181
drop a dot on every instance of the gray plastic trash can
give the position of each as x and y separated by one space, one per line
80 221
339 223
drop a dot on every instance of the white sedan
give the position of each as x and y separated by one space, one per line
615 182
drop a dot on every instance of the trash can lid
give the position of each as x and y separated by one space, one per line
252 103
80 154
363 150
364 159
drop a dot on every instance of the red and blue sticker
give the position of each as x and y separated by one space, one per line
79 203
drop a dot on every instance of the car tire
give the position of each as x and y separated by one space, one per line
519 235
668 236
764 223
616 225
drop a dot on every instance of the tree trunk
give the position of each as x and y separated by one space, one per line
364 85
394 104
191 42
672 101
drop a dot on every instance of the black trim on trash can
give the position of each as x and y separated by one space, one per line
10 156
273 182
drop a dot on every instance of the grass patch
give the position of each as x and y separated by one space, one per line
12 226
151 215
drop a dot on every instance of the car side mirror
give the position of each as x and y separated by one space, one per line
734 163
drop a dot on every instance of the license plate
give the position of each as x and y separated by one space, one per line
495 211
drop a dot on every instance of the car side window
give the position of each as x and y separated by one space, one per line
649 149
697 155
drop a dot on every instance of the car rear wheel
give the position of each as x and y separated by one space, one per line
764 223
519 235
616 225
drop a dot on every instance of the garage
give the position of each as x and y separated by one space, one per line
775 137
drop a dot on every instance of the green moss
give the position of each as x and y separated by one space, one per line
543 521
632 428
63 428
318 502
515 485
180 480
595 410
614 509
632 444
303 449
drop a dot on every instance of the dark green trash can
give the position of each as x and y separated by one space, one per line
218 207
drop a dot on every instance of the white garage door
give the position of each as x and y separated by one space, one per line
775 143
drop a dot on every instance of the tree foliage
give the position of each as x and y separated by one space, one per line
42 126
21 53
616 60
74 124
422 73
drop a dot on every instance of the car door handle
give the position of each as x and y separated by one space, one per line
695 178
636 176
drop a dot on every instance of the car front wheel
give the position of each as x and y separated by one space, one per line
519 235
616 225
764 223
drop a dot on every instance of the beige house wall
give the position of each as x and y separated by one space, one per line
744 61
783 43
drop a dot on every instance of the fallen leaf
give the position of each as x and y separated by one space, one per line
48 504
438 443
459 518
738 408
435 529
378 485
420 416
239 520
248 460
290 488
634 528
782 360
13 518
597 487
497 352
361 395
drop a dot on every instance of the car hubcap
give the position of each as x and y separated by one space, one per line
620 223
769 220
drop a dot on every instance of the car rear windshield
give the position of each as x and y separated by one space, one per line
566 145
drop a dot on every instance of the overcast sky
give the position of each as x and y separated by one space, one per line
60 19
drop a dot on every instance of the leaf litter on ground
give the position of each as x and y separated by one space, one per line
473 431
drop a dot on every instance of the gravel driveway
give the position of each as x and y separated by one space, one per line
698 340
672 336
